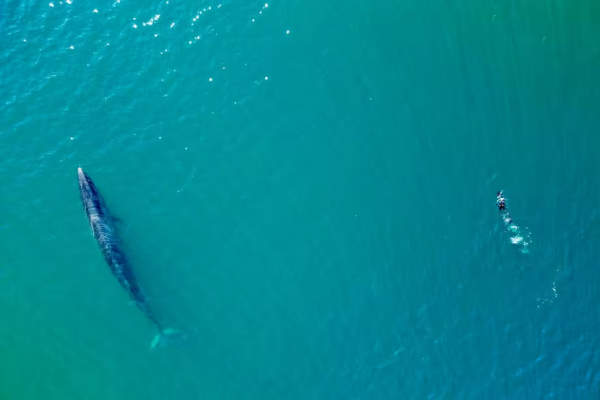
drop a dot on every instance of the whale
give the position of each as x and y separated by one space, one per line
103 227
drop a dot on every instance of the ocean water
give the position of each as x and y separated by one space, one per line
309 185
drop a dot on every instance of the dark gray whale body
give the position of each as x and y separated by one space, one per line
103 230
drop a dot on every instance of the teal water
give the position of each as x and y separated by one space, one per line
329 231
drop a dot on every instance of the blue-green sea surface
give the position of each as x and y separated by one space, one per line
309 185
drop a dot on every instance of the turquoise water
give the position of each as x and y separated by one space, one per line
309 185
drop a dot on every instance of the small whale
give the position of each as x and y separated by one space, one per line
103 230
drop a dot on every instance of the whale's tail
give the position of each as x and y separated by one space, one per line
168 335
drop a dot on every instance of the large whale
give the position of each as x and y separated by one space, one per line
103 230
